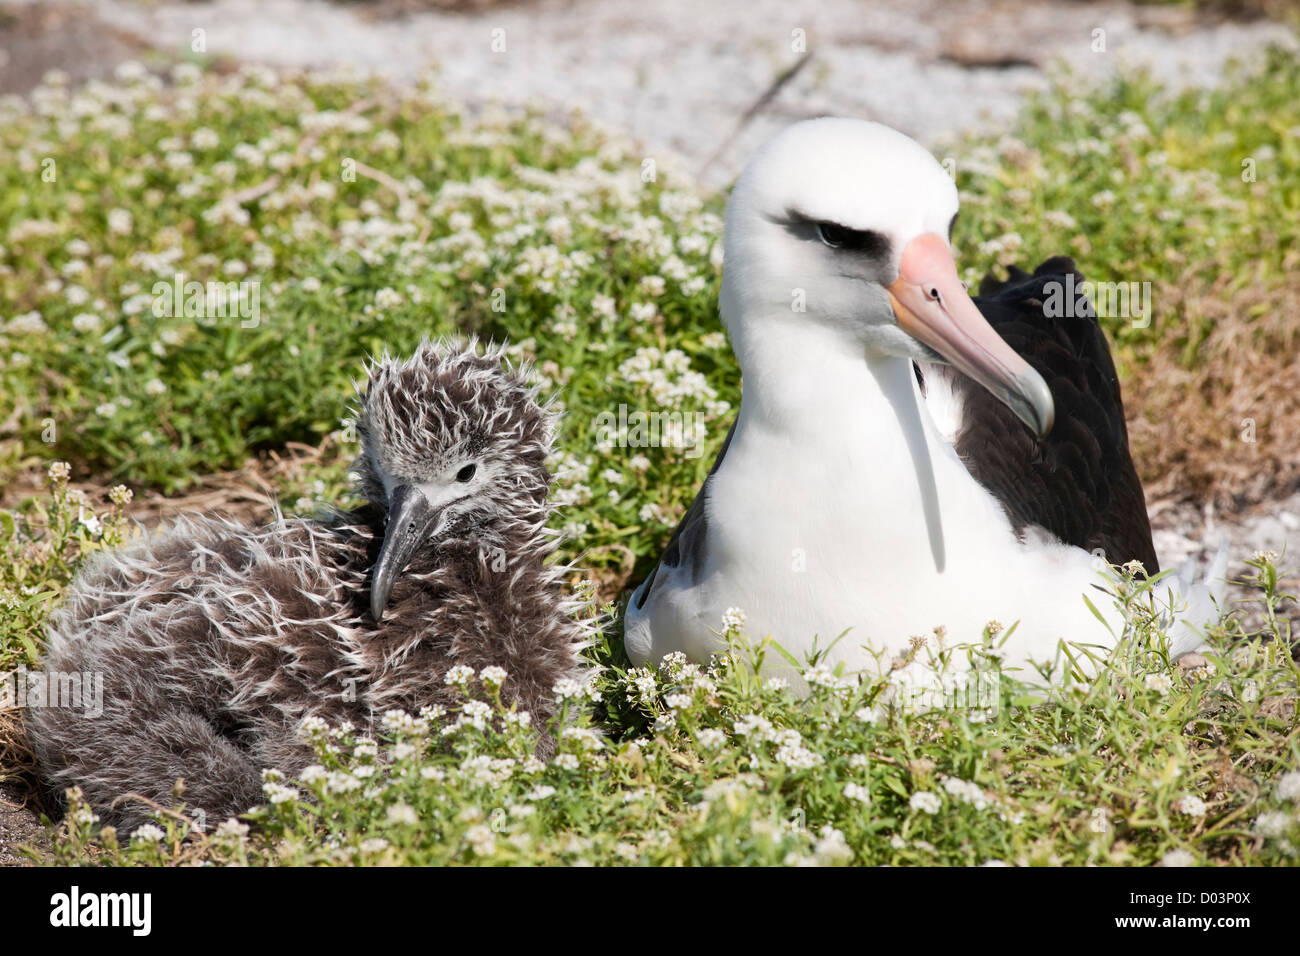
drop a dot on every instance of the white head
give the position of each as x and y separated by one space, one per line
840 228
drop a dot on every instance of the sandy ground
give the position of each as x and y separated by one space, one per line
681 74
19 826
709 81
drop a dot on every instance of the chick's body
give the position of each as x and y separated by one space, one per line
215 641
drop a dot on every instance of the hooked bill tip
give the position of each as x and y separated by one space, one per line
1032 401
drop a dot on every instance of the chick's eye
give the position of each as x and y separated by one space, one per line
466 473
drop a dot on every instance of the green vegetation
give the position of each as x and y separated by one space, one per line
712 765
368 218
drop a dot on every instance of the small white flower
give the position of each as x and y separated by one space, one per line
797 756
1177 858
925 802
402 751
1190 805
966 792
366 750
149 834
760 727
402 814
644 684
481 840
120 221
710 738
585 738
374 845
388 299
493 676
91 523
232 828
855 791
831 847
205 138
400 722
312 727
868 715
518 718
1099 820
1288 788
733 618
1272 824
566 688
154 387
821 675
278 793
86 322
1160 683
664 723
460 674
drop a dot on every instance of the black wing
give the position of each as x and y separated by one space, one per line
1079 483
688 539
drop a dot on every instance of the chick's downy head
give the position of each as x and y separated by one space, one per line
454 443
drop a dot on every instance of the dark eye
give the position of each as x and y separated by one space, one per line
466 473
831 234
856 240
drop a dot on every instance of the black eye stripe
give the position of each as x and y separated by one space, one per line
853 240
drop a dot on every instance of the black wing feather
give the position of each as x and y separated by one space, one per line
1079 483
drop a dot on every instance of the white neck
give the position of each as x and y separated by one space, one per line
856 419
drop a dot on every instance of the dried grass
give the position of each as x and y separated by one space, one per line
17 762
1190 427
248 494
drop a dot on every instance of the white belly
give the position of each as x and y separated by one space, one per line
808 560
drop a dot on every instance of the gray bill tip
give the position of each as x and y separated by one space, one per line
378 600
1032 401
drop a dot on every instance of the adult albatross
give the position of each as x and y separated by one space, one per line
896 465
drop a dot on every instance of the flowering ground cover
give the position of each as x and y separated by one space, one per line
195 264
